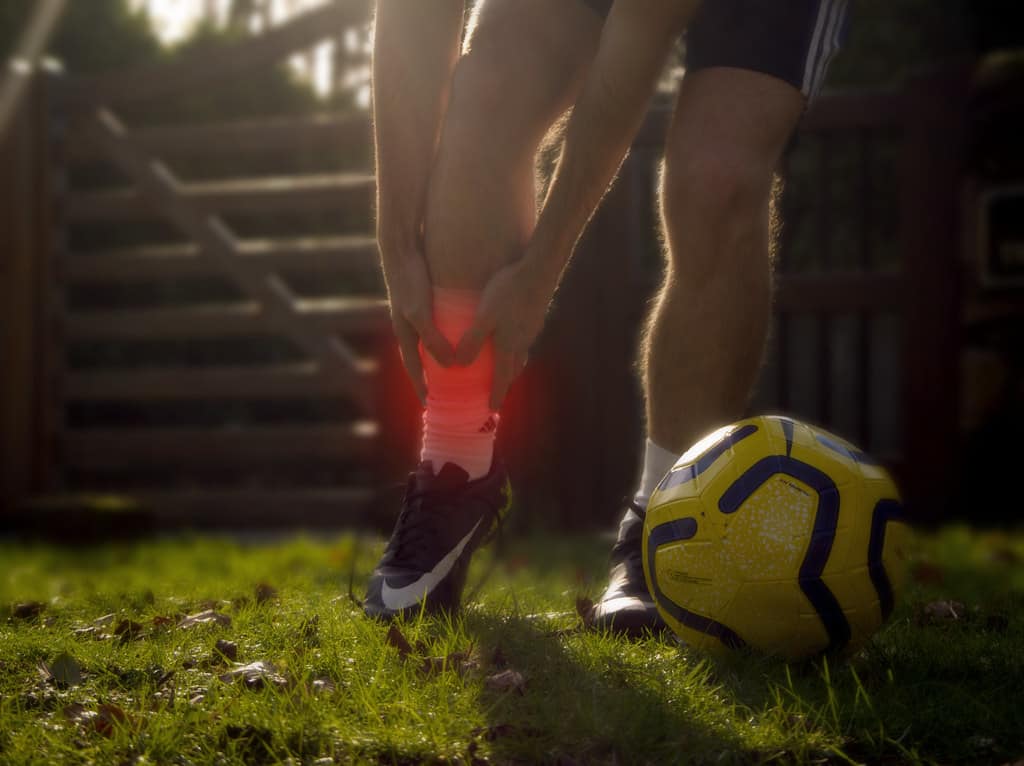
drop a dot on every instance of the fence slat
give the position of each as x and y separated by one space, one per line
354 253
190 383
352 192
99 449
322 133
337 315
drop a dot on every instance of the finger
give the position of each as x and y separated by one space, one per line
408 347
434 342
505 371
472 341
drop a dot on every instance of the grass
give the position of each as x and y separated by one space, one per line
136 688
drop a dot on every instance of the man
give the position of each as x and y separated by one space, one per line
471 266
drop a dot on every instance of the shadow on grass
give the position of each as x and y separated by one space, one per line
597 704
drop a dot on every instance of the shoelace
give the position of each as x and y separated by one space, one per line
416 530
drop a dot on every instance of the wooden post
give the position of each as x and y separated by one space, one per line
24 204
933 139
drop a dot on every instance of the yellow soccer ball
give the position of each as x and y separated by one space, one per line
777 536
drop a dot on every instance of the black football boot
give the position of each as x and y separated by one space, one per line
626 606
444 519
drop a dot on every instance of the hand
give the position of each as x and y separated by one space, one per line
512 309
411 299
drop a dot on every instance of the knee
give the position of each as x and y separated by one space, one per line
714 186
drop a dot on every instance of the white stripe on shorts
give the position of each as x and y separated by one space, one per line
824 43
832 45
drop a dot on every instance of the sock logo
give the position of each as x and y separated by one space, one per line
490 425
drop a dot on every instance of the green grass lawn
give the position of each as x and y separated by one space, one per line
101 671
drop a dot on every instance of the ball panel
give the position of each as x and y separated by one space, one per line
765 538
765 613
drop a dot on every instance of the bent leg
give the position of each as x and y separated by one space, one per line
522 66
705 337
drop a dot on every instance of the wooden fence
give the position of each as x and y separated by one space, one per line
277 396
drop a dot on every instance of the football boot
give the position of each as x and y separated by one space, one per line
626 606
444 519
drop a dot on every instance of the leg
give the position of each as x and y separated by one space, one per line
523 64
705 336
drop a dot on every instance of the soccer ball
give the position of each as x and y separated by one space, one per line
773 535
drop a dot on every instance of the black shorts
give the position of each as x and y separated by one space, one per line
793 40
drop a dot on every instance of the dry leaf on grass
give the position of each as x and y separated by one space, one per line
460 662
225 650
28 610
265 592
128 630
102 720
320 685
942 612
498 658
255 675
507 681
585 610
204 618
397 640
64 671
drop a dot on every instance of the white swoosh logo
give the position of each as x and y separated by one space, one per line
406 596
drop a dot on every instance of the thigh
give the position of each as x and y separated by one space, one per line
527 58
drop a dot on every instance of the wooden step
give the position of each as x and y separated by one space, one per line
310 254
359 315
182 448
198 383
352 192
319 133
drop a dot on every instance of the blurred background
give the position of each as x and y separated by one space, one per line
192 325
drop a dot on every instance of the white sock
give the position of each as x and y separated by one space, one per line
657 461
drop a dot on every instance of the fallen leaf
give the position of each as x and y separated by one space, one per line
397 640
585 610
110 716
204 618
255 675
460 662
77 713
941 612
265 592
507 681
322 685
225 649
163 678
28 610
128 630
104 621
161 621
64 671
